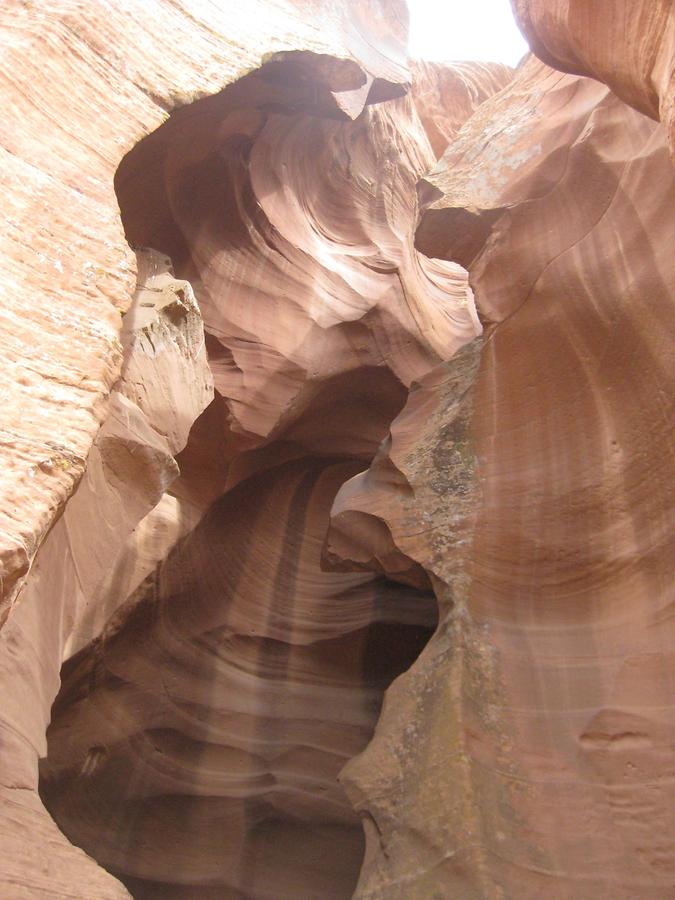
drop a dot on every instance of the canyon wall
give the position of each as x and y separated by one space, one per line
368 417
626 44
549 771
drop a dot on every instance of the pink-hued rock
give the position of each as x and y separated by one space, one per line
73 590
353 323
306 280
319 312
628 44
229 697
445 95
357 394
529 750
81 84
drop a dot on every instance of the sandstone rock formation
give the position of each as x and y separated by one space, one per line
239 685
107 71
565 709
629 45
320 434
71 593
319 372
304 376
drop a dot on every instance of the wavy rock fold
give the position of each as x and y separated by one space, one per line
337 478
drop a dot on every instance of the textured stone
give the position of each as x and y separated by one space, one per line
319 312
70 594
627 44
218 596
235 717
81 84
566 227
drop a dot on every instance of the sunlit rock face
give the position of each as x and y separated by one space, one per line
311 273
628 44
249 668
81 85
551 761
285 203
357 402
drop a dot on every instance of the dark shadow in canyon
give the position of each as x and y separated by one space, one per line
200 742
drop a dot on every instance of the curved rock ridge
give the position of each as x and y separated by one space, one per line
82 83
207 725
307 278
276 252
387 518
362 468
378 312
529 750
629 45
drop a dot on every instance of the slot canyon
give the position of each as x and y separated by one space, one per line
338 456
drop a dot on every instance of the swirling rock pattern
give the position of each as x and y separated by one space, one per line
319 313
230 614
72 590
306 279
81 85
226 704
323 374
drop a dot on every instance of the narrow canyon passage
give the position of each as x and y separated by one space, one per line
338 508
195 746
194 752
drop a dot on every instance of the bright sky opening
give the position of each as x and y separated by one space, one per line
461 30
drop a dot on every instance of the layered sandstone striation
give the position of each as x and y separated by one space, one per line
245 672
366 420
628 45
227 700
82 84
317 312
72 591
563 718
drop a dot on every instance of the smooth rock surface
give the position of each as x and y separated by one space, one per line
218 585
228 701
70 594
301 375
312 339
628 44
566 705
81 84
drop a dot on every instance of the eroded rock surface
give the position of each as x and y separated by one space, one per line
313 338
70 595
319 312
312 457
629 45
567 714
228 701
81 85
